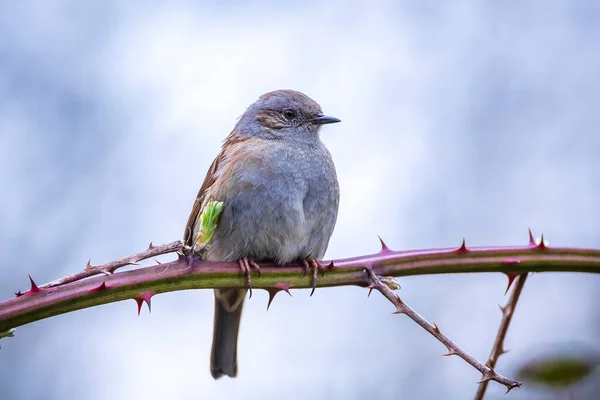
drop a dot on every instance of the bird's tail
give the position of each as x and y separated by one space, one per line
228 312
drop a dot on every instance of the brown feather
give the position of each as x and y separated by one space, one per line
209 181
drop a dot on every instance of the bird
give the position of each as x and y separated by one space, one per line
280 193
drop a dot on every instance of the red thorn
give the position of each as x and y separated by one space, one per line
147 297
511 278
435 328
151 245
144 297
89 264
462 248
139 304
531 239
541 245
272 294
100 288
330 266
279 287
34 288
285 286
449 353
384 248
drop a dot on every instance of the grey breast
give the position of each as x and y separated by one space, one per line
282 208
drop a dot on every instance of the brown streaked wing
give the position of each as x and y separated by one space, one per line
209 181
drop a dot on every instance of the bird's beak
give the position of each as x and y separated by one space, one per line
321 119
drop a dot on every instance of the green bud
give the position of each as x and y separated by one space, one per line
208 221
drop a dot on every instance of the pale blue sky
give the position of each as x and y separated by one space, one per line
459 120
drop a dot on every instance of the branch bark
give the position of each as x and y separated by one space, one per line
453 349
83 291
111 267
182 274
507 314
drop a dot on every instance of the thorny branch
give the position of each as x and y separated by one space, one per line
507 314
111 267
81 290
453 350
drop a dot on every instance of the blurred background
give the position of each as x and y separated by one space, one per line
459 120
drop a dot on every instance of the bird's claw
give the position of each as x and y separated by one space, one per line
315 266
246 266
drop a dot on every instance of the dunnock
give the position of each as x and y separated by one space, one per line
280 193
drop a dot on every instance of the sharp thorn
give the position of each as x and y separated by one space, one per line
462 248
144 297
272 294
34 288
285 286
147 297
100 288
151 245
384 248
531 239
88 266
511 387
511 279
542 244
139 304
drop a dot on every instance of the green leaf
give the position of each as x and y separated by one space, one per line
558 371
208 222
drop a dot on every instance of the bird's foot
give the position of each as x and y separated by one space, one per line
246 266
314 265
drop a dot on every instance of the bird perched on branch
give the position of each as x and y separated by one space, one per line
279 191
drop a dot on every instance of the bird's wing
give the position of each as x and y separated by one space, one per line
209 180
214 181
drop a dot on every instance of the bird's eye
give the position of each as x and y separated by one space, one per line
289 113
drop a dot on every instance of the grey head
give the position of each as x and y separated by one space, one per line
284 114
